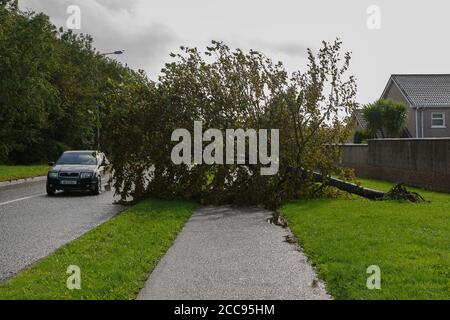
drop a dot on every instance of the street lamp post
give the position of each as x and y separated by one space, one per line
117 52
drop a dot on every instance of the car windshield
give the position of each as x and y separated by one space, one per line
84 158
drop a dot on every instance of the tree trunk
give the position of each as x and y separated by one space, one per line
345 186
349 187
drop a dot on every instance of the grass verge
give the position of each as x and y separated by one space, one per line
21 172
115 258
409 242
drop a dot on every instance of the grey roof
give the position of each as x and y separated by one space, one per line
359 117
424 90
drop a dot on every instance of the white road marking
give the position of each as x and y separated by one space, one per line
21 199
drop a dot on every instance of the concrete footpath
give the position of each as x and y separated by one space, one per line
229 253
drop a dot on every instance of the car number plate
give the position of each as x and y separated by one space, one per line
69 182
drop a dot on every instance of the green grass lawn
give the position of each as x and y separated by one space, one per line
409 242
115 258
20 172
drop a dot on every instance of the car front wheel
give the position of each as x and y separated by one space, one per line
98 188
50 191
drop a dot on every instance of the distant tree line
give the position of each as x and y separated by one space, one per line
51 84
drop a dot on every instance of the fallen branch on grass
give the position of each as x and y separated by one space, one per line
399 192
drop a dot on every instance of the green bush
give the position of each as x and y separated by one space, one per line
360 137
385 116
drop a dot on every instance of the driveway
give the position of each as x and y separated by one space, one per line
33 225
233 253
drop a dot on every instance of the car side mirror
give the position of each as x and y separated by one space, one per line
51 163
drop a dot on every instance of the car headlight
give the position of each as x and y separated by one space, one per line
53 175
86 175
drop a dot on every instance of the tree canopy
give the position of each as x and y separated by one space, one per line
224 89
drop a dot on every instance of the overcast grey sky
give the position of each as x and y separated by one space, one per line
413 37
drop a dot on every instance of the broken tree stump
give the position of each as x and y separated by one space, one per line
399 192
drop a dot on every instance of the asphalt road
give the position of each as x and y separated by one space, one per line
233 253
33 225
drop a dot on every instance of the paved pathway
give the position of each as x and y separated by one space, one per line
228 253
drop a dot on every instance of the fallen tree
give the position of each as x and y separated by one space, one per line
229 90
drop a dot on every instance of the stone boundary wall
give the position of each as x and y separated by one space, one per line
421 163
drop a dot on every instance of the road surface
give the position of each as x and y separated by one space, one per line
233 253
32 225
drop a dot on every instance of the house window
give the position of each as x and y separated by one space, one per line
438 120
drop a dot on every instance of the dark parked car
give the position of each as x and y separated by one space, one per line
78 170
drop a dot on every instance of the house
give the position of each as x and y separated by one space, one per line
428 99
